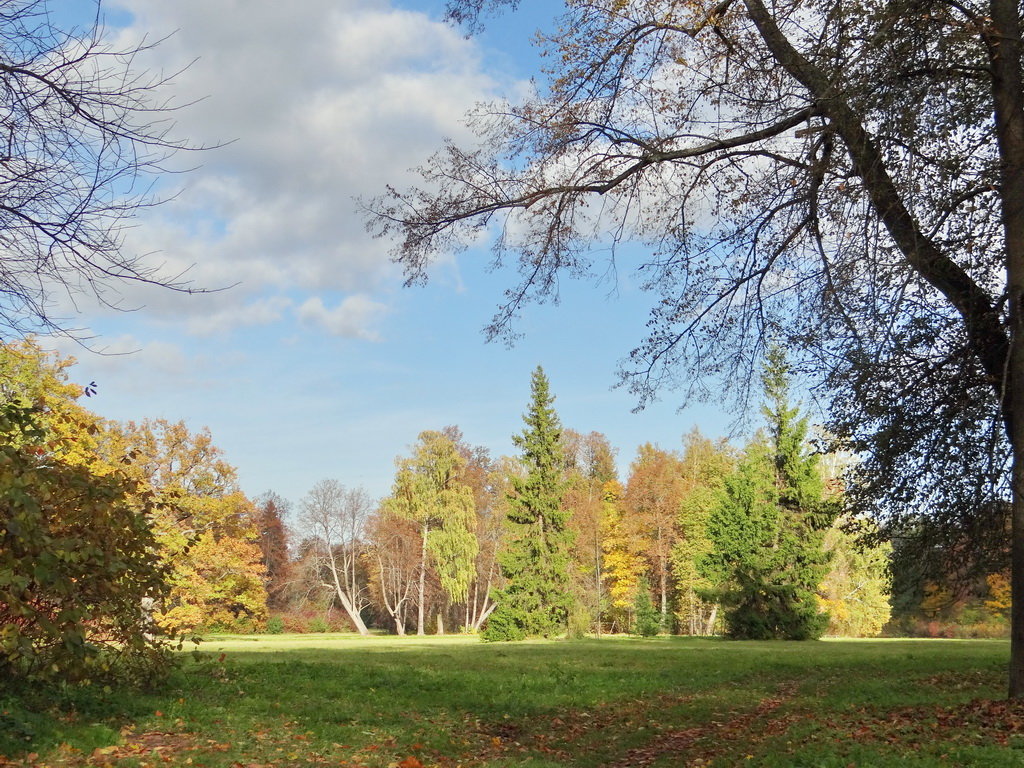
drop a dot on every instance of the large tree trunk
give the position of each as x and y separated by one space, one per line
1005 49
350 609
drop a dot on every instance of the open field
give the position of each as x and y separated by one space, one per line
334 700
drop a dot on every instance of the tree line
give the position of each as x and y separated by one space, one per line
125 532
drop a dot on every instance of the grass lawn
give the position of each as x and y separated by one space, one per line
336 700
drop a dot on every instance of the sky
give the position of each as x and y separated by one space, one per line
315 361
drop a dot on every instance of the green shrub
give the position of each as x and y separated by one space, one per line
318 624
503 626
648 620
275 625
579 623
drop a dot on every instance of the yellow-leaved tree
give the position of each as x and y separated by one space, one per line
207 529
77 553
855 592
624 562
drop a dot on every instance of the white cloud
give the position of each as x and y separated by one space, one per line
258 312
321 102
352 318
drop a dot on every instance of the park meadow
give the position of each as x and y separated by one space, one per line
391 702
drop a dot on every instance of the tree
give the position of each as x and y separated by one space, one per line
705 465
202 522
624 563
77 562
768 558
590 465
206 526
36 380
335 517
490 532
652 501
270 512
393 551
537 597
83 134
488 479
648 619
428 491
855 591
78 553
846 176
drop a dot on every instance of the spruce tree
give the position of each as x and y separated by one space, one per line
647 620
768 528
537 595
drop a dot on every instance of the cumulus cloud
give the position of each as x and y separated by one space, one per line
353 318
258 312
312 107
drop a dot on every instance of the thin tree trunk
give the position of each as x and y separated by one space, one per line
485 609
597 574
664 592
711 620
1008 92
484 615
420 629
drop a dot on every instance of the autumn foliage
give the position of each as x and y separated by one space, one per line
78 559
116 533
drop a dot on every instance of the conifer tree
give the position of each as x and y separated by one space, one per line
537 595
647 619
768 529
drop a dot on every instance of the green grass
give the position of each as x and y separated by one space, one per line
298 700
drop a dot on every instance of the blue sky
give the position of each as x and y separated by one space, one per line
318 363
